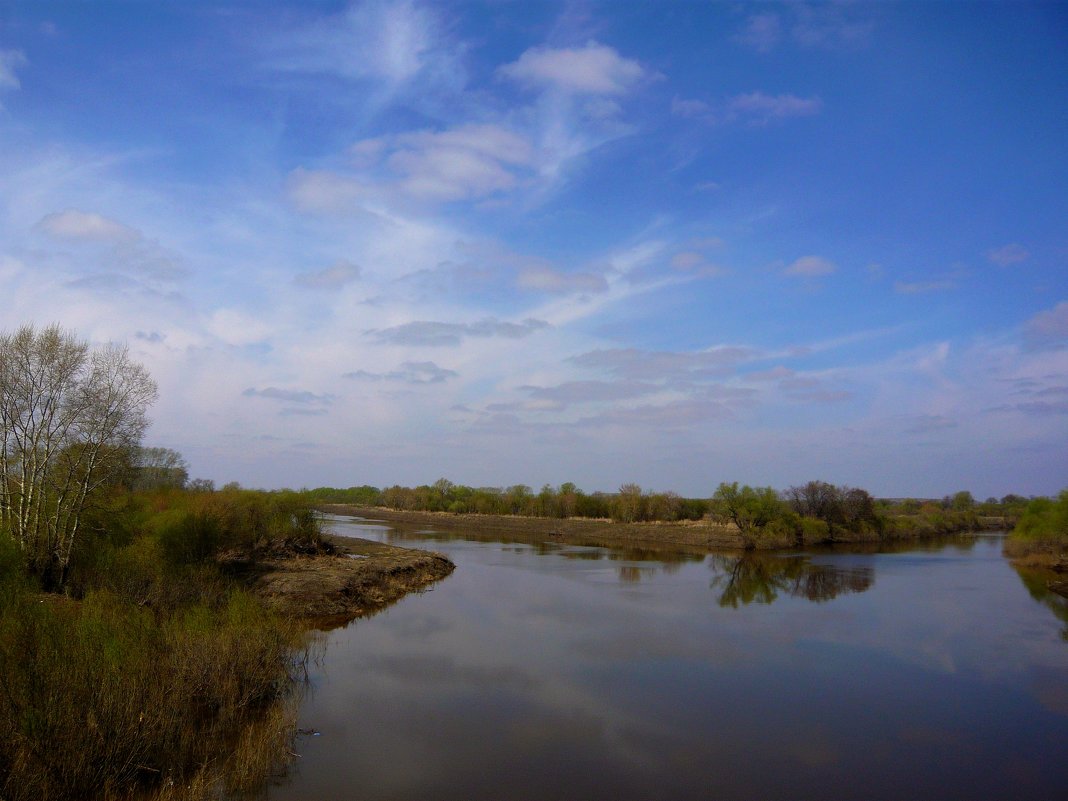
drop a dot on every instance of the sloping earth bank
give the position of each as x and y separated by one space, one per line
358 578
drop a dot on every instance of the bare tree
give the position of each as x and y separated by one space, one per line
70 416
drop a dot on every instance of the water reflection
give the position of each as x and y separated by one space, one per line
760 578
1037 582
579 672
642 563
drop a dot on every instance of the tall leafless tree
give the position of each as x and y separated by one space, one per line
70 416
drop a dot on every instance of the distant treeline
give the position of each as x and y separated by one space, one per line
810 512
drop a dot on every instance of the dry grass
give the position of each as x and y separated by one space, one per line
98 697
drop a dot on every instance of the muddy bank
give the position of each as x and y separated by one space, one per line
357 578
687 536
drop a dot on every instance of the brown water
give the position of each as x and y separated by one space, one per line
558 672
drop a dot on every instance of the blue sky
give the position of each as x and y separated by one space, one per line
664 243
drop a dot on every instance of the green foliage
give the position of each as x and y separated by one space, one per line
814 531
629 505
1045 519
751 509
962 501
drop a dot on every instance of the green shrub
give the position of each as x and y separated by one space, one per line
814 531
1044 519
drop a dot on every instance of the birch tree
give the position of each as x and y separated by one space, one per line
69 418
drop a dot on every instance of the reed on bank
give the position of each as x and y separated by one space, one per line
152 668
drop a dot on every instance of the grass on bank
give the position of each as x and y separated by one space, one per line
155 668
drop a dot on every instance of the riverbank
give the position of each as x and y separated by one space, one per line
1044 562
170 667
354 578
688 536
685 536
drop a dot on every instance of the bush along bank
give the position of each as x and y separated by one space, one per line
155 669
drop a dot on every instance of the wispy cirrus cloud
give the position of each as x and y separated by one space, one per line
391 43
756 109
762 32
1006 255
824 25
649 365
10 62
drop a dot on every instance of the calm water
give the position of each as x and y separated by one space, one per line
581 673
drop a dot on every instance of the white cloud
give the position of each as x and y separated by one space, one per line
80 225
10 61
470 161
595 69
811 267
466 162
1008 254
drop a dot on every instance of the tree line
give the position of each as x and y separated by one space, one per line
816 511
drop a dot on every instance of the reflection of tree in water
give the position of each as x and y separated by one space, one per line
631 574
1037 582
754 578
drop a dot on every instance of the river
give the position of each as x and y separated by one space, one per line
563 672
